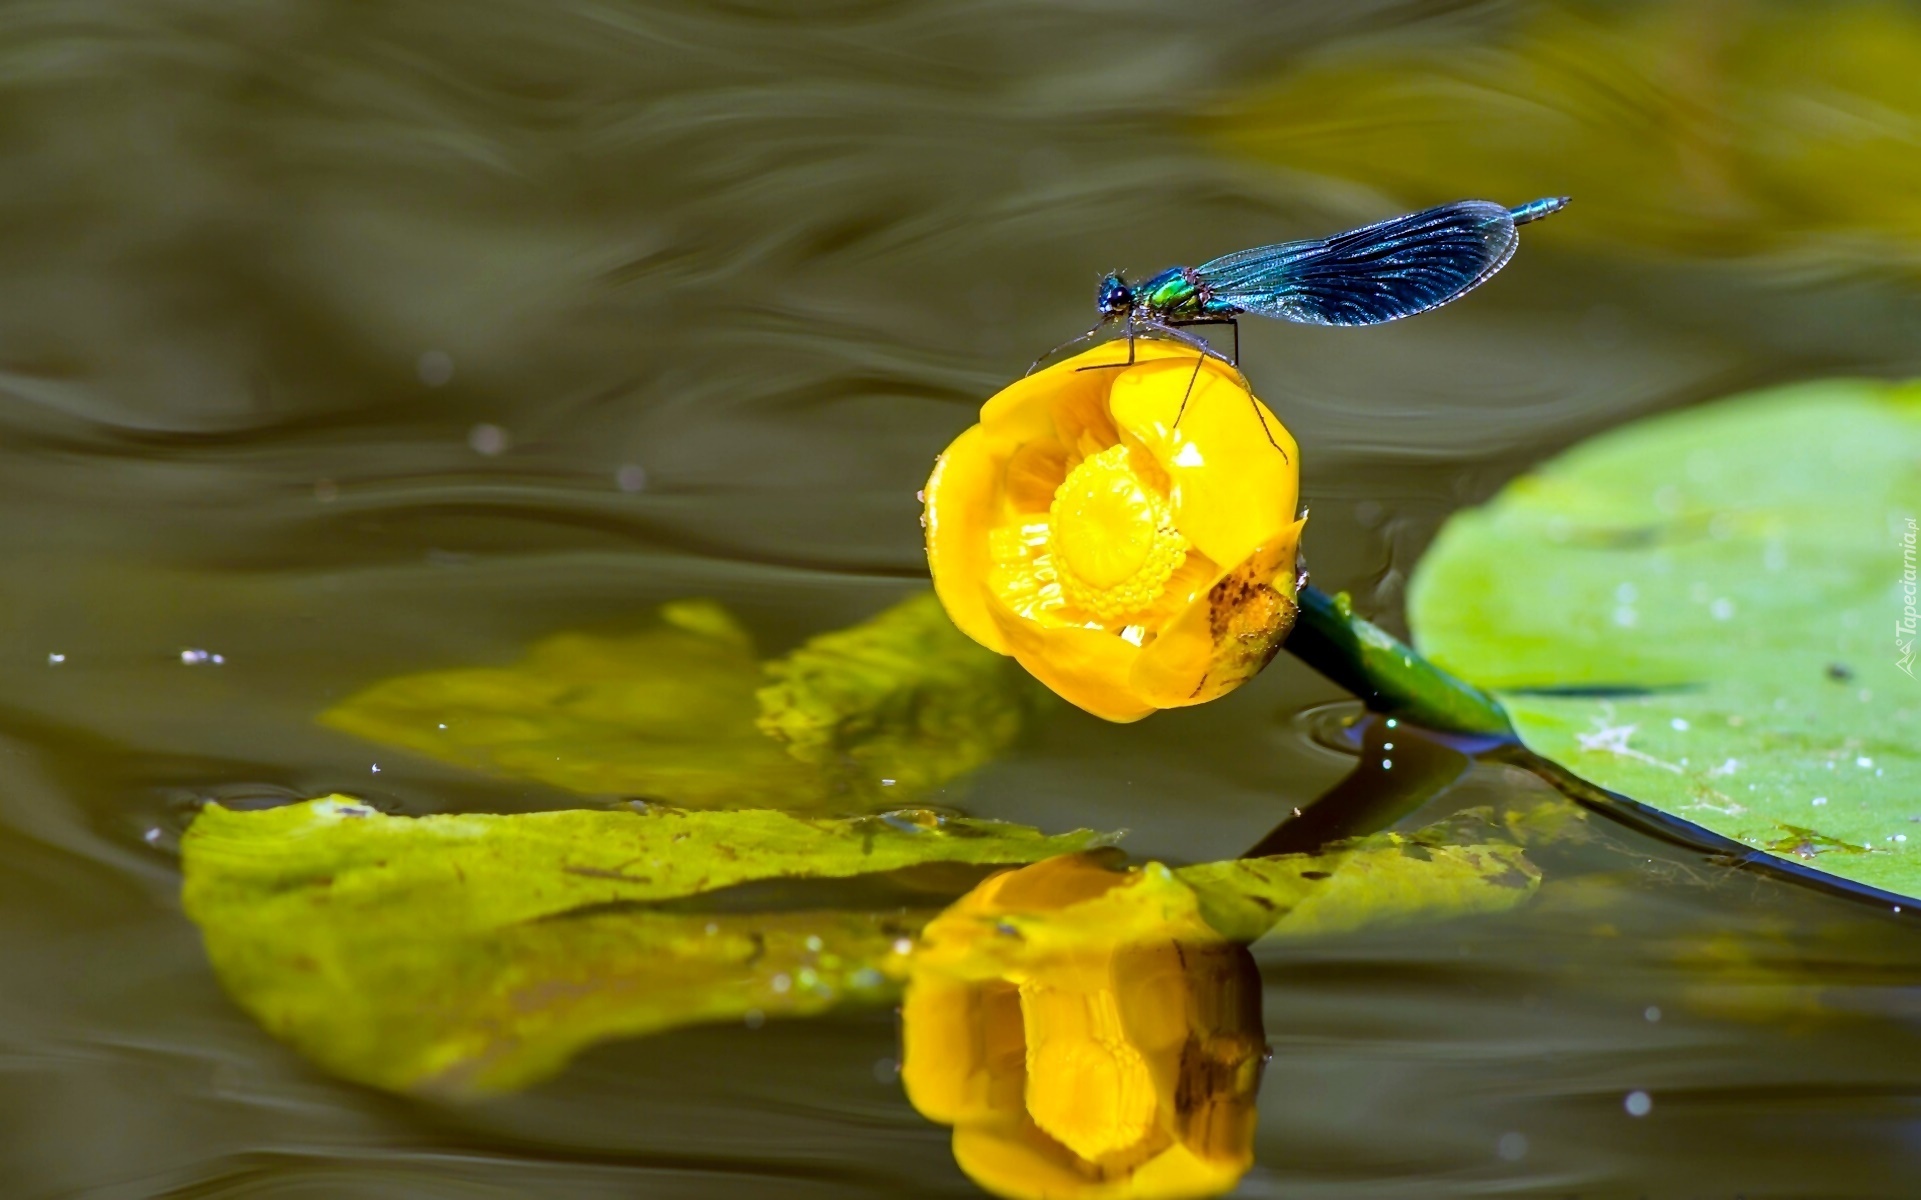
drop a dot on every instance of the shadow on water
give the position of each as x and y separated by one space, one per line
347 343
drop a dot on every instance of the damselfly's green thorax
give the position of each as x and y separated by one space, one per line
1176 294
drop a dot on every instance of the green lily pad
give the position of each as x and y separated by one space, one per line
462 955
684 712
1705 612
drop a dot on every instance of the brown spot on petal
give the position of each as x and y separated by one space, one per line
1248 618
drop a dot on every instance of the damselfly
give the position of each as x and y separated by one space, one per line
1380 272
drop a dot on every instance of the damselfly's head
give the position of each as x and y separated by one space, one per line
1114 298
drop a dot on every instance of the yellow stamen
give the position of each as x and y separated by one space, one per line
1112 539
1023 572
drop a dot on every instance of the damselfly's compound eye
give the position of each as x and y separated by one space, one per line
1113 296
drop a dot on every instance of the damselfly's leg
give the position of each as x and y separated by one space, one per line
1233 322
1173 334
1199 361
1092 330
1119 365
1206 350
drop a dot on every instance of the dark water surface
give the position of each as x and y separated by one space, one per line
347 340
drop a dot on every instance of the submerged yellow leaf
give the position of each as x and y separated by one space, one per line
667 713
684 712
903 697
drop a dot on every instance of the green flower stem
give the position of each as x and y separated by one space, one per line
1387 674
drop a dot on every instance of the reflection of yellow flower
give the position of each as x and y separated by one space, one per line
1087 1035
1129 563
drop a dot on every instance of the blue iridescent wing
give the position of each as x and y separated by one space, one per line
1365 276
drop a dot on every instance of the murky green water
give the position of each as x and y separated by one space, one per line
344 341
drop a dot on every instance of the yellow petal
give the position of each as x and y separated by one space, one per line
1178 1174
1025 410
1228 634
1208 1006
1034 473
1046 886
962 502
1017 1160
1066 401
1231 488
1150 977
1020 1161
1088 668
962 1050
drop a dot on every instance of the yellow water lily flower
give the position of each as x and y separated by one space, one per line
1128 533
1087 1035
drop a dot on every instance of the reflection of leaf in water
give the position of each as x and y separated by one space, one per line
1384 879
673 712
1702 128
470 954
1739 666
